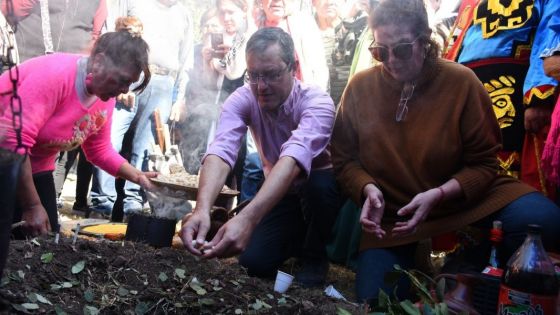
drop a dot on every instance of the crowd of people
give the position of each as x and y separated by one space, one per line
367 125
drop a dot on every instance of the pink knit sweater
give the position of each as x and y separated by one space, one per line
53 118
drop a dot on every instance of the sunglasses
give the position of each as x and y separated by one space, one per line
402 51
265 78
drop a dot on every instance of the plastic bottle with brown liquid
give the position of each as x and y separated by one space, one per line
529 284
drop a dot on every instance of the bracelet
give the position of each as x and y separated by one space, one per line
441 195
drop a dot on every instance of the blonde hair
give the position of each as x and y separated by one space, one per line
130 24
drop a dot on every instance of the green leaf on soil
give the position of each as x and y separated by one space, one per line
56 287
59 311
66 284
409 307
270 296
257 305
91 310
141 308
21 274
235 283
47 258
20 308
197 288
5 281
206 301
162 277
88 295
217 288
78 267
122 291
180 273
30 306
35 297
238 311
133 292
36 242
282 301
341 311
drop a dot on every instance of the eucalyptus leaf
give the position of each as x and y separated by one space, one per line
47 258
409 307
32 297
257 305
36 242
162 277
66 284
89 295
341 311
91 310
21 274
217 288
238 311
59 311
180 273
42 299
30 306
197 288
141 308
206 301
122 291
20 308
78 267
56 287
282 301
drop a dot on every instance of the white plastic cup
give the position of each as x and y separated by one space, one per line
283 282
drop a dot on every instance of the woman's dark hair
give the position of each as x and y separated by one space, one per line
408 14
268 36
124 50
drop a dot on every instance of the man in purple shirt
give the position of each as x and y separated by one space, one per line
294 211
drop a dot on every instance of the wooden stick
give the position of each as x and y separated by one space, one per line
166 138
159 130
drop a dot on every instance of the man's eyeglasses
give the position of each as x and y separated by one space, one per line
401 51
406 94
266 78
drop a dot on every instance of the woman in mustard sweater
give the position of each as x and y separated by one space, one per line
415 143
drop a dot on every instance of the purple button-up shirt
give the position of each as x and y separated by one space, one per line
301 128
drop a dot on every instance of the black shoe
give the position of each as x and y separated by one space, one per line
80 207
313 273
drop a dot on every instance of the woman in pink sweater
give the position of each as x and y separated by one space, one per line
67 100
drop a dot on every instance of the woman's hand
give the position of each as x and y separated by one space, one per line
145 182
127 99
372 210
36 220
419 208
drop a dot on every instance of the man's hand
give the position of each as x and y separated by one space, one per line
194 228
231 239
372 210
537 117
178 111
419 208
36 220
127 99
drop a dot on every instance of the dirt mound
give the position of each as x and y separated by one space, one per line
130 278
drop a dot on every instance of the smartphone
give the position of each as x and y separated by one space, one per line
217 39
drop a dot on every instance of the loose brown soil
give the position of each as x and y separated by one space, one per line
133 278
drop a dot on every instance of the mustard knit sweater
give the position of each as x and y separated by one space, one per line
450 131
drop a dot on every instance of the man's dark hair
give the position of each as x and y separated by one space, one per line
125 50
268 36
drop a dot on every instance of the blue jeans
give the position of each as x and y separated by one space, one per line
158 94
531 208
299 225
252 171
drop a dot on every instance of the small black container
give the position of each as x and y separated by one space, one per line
157 232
